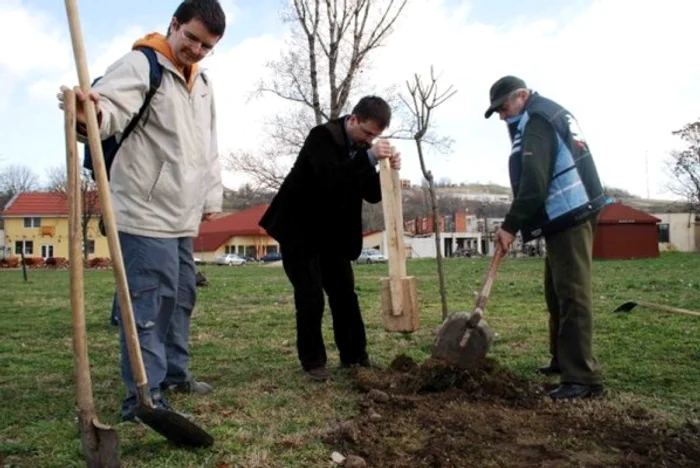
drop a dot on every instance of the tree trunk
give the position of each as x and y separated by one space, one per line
436 229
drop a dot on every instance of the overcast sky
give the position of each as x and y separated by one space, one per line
623 67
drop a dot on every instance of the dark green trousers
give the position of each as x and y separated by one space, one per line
567 287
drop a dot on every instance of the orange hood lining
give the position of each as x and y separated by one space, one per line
159 43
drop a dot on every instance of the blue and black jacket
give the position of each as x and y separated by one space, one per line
573 189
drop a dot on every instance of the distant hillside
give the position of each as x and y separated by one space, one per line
477 188
656 206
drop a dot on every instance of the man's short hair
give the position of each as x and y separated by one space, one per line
209 12
373 108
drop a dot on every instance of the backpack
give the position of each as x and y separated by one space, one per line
110 145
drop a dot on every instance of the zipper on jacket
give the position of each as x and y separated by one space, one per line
155 182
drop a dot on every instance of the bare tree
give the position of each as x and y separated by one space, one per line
89 197
16 179
329 49
424 98
684 165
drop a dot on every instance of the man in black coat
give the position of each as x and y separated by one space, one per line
317 219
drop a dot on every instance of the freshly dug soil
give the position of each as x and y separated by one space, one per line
435 415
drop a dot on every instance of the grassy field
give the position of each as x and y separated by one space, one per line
263 412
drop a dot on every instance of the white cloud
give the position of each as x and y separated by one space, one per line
624 68
41 50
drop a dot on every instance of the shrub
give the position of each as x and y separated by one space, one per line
99 262
57 262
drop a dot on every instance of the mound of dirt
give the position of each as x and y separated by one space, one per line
434 415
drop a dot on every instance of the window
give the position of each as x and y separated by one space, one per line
271 249
241 250
664 233
32 222
27 245
90 247
46 251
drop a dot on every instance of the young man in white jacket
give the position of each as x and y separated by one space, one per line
164 180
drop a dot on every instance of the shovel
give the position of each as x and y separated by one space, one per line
627 306
464 338
100 442
170 424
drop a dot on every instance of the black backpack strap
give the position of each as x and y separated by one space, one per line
155 78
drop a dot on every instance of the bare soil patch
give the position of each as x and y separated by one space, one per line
434 415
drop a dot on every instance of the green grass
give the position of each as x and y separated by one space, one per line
263 412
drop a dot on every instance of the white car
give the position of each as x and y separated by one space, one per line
229 259
371 256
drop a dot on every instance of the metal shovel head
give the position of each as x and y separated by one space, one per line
100 442
174 426
447 344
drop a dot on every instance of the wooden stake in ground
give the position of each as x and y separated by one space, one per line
400 311
100 442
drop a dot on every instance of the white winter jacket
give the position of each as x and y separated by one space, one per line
167 172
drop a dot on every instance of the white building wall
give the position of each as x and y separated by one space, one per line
682 229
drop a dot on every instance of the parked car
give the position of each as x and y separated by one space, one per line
229 259
271 257
198 261
371 256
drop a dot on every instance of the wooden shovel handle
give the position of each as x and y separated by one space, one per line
483 297
127 313
77 299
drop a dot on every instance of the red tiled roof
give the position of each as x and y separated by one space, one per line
213 234
41 204
211 241
617 213
242 223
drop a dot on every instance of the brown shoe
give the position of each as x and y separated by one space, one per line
318 374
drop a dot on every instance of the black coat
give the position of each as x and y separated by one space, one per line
319 204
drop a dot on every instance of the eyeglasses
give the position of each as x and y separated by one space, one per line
367 132
196 43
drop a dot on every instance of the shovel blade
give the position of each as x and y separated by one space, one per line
476 346
174 426
100 443
626 307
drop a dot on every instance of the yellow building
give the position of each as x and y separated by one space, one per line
37 223
236 233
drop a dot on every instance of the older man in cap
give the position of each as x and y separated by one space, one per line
556 195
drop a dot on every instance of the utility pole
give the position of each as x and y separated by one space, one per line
646 162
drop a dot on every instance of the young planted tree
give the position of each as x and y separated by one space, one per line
89 197
684 165
330 44
422 100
